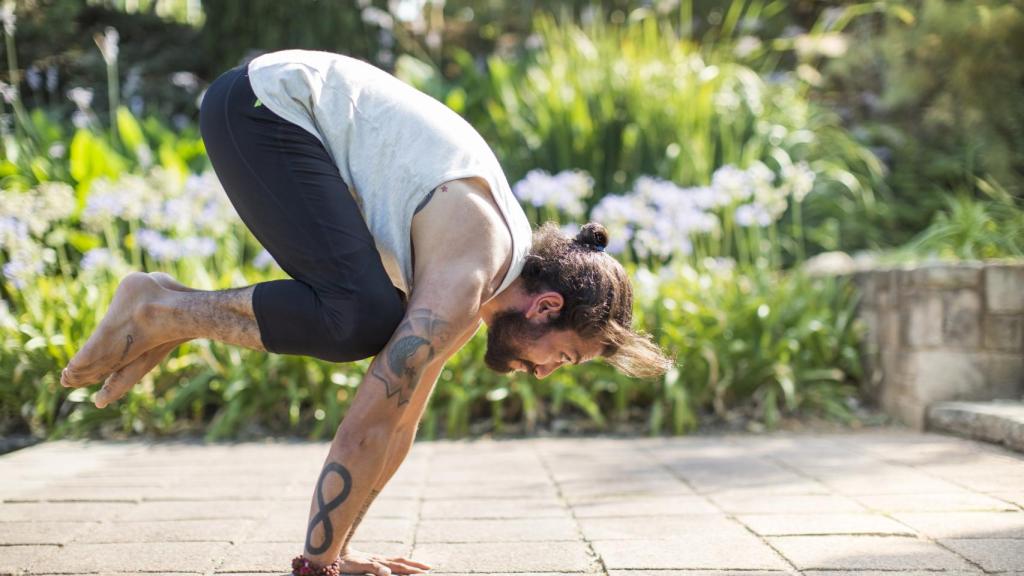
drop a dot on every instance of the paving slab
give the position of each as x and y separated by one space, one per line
645 506
962 501
891 502
505 556
660 527
166 531
707 551
511 530
63 511
42 532
135 557
994 555
748 503
866 553
816 524
277 556
484 508
966 524
700 573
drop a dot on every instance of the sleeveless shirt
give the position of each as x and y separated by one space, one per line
391 143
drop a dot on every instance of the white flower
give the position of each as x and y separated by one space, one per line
108 44
186 80
646 283
263 260
102 260
55 201
124 198
82 97
8 17
732 184
746 46
159 247
12 232
564 191
799 179
80 120
753 215
26 262
8 93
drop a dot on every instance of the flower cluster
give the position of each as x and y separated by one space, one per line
25 218
564 191
660 219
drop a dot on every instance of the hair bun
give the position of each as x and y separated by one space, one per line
593 236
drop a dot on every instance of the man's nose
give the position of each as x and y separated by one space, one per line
543 371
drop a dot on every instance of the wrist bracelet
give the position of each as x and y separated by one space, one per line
301 566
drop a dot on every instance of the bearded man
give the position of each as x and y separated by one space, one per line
400 233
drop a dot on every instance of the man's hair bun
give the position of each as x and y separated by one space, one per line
593 236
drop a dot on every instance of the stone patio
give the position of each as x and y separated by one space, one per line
873 502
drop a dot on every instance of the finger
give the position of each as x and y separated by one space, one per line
350 567
419 565
402 568
380 569
119 382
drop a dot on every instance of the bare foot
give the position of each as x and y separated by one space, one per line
123 334
122 380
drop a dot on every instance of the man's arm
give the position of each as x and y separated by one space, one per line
439 314
402 443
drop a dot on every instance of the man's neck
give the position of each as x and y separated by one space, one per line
512 297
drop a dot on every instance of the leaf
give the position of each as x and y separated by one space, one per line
129 130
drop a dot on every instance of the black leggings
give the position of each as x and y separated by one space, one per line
341 305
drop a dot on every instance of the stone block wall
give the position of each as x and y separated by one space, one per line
942 332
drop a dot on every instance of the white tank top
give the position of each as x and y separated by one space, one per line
392 144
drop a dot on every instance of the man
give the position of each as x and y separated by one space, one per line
398 227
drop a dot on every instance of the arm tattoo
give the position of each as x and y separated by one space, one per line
412 347
359 518
322 515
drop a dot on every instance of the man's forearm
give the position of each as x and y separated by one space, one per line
352 468
400 445
397 451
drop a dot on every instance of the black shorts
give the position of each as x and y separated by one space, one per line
341 305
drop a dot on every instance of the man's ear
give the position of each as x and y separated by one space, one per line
545 306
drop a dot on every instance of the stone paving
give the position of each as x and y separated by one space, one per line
873 502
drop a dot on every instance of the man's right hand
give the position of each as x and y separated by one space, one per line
355 562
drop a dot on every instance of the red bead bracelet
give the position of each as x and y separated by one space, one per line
301 566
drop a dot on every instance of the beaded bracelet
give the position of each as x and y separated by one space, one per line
301 566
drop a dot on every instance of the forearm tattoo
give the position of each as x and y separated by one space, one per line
324 508
359 518
413 346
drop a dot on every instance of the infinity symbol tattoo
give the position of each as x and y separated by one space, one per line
325 508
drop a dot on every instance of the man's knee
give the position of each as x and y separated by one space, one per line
363 327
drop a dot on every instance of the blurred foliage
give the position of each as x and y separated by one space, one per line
941 96
764 344
236 29
969 228
621 101
887 106
54 42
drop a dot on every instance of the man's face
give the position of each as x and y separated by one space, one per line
515 343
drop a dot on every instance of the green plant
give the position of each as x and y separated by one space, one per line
621 101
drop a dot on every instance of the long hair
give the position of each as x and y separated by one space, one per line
597 293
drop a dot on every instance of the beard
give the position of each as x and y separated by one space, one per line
505 335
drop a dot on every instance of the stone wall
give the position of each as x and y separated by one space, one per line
943 332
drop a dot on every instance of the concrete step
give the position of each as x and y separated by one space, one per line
997 421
